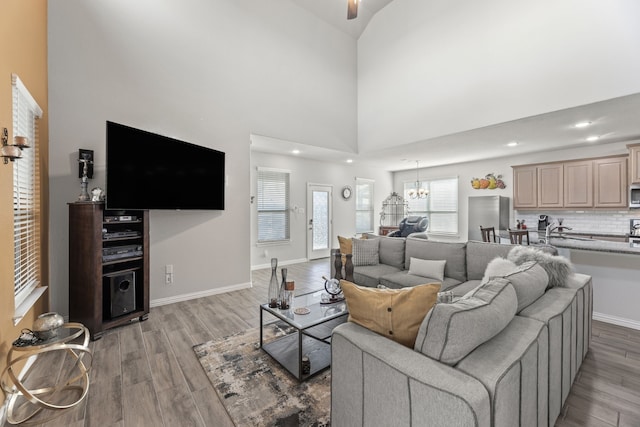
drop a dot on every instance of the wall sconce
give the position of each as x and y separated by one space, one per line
12 151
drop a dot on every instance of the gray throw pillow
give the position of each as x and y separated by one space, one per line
451 331
528 279
392 251
557 267
365 252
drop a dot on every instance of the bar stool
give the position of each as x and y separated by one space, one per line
487 233
516 236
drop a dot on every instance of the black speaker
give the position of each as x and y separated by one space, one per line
122 293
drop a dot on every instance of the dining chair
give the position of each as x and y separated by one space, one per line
516 236
488 233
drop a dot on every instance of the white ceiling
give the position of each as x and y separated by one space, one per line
612 120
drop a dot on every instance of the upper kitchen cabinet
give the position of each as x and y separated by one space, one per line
578 184
525 184
610 176
634 163
550 185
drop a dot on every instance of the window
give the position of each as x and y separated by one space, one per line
364 205
440 207
273 205
26 194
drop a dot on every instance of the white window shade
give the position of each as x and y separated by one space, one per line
26 194
273 205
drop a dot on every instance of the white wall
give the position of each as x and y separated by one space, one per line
209 72
433 68
502 166
305 171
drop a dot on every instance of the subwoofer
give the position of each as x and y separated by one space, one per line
122 293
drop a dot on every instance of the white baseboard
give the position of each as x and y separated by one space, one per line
280 264
620 321
194 295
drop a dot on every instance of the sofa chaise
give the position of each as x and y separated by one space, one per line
495 356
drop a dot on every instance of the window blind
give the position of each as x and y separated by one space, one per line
441 206
26 194
364 205
273 205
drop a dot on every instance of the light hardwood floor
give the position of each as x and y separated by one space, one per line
146 373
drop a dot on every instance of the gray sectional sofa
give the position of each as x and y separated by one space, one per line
519 376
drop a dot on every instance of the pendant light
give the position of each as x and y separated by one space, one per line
418 192
352 9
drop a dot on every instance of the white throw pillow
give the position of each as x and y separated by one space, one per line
427 268
557 267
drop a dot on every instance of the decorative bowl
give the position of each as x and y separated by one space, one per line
21 141
46 325
11 151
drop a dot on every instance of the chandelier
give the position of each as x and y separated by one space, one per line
418 192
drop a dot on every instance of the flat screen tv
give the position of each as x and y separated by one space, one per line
150 171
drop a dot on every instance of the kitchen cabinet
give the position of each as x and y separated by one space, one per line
578 184
550 185
525 183
585 183
610 176
634 163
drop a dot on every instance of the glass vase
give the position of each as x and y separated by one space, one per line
274 288
284 305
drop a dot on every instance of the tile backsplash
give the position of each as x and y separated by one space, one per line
607 222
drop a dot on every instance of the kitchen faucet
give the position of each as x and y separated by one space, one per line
548 231
551 227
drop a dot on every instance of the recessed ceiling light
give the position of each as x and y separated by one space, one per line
593 138
296 151
512 144
582 124
349 160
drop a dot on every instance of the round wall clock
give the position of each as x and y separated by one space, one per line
346 192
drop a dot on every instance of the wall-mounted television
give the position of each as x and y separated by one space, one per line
150 171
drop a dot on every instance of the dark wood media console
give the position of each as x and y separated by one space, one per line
108 266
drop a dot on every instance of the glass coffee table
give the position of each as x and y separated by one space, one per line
308 336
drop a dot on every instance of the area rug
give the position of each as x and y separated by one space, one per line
255 390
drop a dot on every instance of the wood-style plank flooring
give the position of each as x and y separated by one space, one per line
146 373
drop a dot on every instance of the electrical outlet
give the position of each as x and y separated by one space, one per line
168 274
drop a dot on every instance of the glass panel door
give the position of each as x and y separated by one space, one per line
319 221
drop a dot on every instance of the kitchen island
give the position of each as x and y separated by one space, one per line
614 268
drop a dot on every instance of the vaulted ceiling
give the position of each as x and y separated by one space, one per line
613 119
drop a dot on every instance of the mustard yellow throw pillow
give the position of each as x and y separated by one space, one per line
394 313
346 245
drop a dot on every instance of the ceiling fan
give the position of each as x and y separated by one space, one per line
352 8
